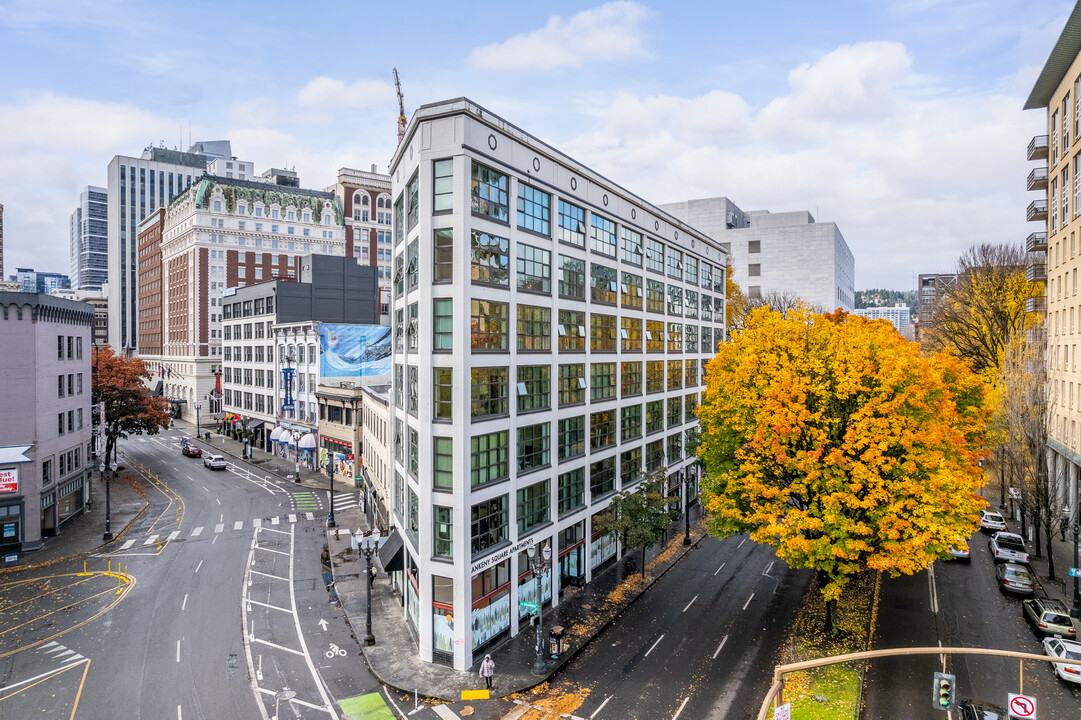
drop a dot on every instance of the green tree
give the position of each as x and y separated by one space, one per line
638 517
130 409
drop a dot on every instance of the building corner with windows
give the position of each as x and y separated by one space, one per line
550 334
1054 247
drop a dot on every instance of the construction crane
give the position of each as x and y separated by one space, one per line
401 107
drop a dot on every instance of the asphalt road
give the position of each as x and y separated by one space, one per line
957 605
700 644
221 612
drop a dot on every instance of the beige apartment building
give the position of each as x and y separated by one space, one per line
1053 246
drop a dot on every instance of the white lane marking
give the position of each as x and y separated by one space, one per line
214 540
173 535
219 527
446 713
257 522
185 603
198 566
741 543
205 488
653 646
683 705
179 714
197 532
274 520
45 674
278 552
748 601
690 603
933 588
718 570
280 532
768 568
178 651
293 519
238 525
66 652
219 501
723 641
272 607
189 477
221 518
275 577
309 516
151 540
600 708
50 644
128 544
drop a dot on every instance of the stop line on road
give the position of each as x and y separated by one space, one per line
238 526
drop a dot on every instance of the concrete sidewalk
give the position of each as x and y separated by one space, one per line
83 534
583 612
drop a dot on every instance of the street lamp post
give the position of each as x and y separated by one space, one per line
369 543
539 566
686 507
198 428
330 472
108 510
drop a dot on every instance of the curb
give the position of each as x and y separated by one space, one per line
536 680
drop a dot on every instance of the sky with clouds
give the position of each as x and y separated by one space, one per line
900 120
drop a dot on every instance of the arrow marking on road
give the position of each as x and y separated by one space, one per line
723 641
748 601
322 624
690 603
653 646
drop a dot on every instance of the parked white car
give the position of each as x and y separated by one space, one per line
1067 650
214 462
991 521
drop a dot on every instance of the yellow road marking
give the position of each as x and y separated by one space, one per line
5 608
79 694
50 676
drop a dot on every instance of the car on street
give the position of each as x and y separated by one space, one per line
958 549
1007 547
1067 650
214 462
190 450
979 710
1015 579
1049 617
990 521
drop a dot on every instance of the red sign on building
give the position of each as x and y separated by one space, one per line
9 480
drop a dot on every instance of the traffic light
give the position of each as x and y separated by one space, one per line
944 691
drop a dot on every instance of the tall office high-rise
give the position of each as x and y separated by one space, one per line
137 187
89 239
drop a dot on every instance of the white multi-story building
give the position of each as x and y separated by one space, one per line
550 331
375 458
88 236
900 316
782 252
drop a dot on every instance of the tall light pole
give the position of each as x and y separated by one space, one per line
330 472
108 519
539 566
369 543
198 429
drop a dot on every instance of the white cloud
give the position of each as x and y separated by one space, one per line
912 178
327 94
612 32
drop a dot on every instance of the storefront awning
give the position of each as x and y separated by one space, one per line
390 554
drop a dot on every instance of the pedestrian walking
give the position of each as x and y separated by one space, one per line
371 577
1063 525
487 670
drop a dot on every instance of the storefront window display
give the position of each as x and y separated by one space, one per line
490 616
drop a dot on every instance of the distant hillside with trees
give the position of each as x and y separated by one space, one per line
880 297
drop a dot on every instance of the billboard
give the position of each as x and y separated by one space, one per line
9 480
354 351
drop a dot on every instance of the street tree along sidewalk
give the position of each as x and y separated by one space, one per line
829 438
638 517
129 406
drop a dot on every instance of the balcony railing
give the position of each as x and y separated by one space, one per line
1036 242
1037 148
1037 179
1036 271
1035 305
1037 210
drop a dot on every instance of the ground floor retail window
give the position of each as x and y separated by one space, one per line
527 585
490 617
11 525
443 617
602 547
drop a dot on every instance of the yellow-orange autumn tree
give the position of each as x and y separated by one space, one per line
829 438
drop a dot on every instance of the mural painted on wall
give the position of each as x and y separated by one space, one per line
354 351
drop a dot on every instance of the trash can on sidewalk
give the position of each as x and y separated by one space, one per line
557 643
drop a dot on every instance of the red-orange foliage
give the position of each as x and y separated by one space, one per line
129 406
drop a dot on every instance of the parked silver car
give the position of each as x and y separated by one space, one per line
1015 579
1049 617
1007 547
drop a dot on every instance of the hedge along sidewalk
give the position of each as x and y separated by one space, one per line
834 691
584 613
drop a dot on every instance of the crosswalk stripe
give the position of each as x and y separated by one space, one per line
219 527
151 540
257 522
197 532
238 525
274 520
309 516
173 535
292 518
128 544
